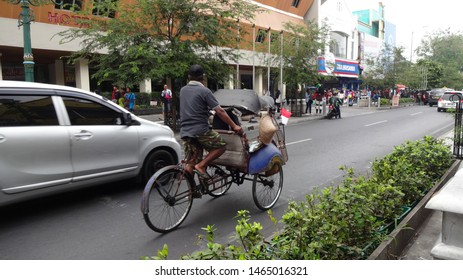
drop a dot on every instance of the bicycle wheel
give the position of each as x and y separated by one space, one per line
219 184
167 199
267 189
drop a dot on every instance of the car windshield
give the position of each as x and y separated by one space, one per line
451 96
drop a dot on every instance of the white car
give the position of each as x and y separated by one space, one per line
449 100
56 138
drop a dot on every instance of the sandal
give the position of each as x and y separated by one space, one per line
202 176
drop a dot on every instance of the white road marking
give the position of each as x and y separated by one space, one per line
300 141
376 123
416 114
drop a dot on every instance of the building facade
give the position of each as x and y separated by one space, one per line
252 70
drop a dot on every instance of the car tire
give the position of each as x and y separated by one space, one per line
153 162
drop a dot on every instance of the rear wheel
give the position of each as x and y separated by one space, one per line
267 189
167 200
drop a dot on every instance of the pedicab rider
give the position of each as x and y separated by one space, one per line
196 101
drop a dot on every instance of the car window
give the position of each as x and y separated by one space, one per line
86 112
448 96
24 110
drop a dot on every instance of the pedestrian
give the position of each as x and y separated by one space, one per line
121 99
318 102
114 98
130 100
166 96
196 101
308 102
278 100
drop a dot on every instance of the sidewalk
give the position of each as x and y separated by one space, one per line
425 237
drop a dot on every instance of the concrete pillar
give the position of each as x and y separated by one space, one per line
82 74
145 86
1 69
259 81
449 246
58 72
230 83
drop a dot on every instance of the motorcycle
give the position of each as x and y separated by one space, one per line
332 112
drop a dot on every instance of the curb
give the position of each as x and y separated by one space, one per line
392 248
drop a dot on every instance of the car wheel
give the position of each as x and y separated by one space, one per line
155 161
438 110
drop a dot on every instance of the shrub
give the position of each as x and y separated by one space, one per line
414 167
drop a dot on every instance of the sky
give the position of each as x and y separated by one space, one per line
417 17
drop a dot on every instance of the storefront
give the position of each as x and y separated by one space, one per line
344 73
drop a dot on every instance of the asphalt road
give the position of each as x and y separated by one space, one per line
105 222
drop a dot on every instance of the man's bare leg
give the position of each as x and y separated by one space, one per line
212 155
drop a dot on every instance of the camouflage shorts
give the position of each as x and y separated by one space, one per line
210 140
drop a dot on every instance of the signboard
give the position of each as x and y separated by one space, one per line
330 66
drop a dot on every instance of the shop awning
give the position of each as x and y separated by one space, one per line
400 86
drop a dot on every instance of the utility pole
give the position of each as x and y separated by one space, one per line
25 18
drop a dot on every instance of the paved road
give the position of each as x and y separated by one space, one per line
105 222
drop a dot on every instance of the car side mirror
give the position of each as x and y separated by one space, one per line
128 119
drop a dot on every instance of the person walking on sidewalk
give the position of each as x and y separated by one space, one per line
318 101
308 101
166 96
196 101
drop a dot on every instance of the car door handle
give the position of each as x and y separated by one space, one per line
83 135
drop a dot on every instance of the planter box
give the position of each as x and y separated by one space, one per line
150 111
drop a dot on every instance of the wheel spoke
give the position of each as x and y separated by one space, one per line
169 201
267 189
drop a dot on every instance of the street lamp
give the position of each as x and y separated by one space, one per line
411 43
25 18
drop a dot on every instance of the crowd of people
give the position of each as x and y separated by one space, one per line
125 97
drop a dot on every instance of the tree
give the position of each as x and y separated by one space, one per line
387 69
157 39
431 73
444 49
298 54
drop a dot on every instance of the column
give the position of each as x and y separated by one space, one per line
59 72
82 74
145 86
229 84
1 69
259 81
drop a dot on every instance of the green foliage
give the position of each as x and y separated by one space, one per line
414 167
341 222
406 100
159 38
445 48
248 236
337 222
385 102
297 54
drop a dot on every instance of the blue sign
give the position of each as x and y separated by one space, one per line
338 67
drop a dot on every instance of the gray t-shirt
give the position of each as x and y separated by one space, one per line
196 101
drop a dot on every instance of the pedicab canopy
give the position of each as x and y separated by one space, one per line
245 100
